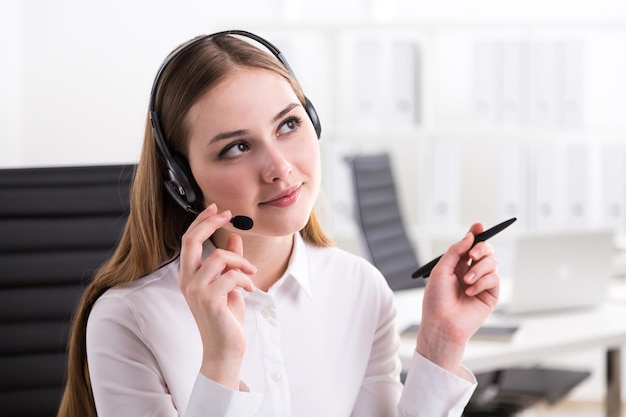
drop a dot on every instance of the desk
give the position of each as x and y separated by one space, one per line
540 336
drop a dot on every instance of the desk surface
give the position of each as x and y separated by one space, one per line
539 335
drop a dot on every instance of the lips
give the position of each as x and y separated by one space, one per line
286 198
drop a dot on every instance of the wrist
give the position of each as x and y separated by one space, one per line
441 348
224 372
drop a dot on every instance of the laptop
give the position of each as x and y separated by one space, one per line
553 272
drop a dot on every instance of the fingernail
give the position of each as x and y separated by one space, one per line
470 278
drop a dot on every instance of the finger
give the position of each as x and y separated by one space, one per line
477 228
210 210
480 268
202 228
232 280
450 260
207 223
221 261
488 284
235 244
481 250
212 298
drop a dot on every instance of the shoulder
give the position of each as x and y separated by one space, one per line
139 299
335 257
160 280
345 269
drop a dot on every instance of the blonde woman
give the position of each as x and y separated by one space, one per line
226 298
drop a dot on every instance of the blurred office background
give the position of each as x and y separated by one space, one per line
489 109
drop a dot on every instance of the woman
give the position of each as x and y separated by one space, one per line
194 316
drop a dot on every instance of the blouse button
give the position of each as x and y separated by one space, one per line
266 312
276 376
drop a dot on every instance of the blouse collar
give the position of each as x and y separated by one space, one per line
297 269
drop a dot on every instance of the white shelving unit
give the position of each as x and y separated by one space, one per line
483 121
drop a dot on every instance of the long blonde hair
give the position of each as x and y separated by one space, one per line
156 223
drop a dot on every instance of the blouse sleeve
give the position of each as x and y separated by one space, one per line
125 375
231 404
429 390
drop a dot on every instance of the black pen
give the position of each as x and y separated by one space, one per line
424 271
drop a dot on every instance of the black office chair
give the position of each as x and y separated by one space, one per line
380 220
57 225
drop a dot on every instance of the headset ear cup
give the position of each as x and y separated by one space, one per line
310 110
181 174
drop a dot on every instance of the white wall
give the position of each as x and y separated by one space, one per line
12 139
75 77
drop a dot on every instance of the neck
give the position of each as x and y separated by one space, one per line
270 255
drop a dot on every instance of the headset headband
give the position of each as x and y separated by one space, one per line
157 80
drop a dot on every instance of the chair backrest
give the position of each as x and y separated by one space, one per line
57 225
380 220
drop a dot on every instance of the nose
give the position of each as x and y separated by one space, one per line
277 166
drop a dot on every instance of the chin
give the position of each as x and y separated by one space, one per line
284 227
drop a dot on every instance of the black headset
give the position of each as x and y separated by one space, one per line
181 185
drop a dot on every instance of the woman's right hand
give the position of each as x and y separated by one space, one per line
213 291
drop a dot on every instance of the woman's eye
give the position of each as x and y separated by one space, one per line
234 150
290 125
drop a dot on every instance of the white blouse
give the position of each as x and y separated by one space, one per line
321 342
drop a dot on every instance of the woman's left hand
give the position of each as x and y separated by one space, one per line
461 292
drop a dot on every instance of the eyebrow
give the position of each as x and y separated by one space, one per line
286 110
242 132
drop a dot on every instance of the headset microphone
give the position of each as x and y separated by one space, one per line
242 222
239 221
